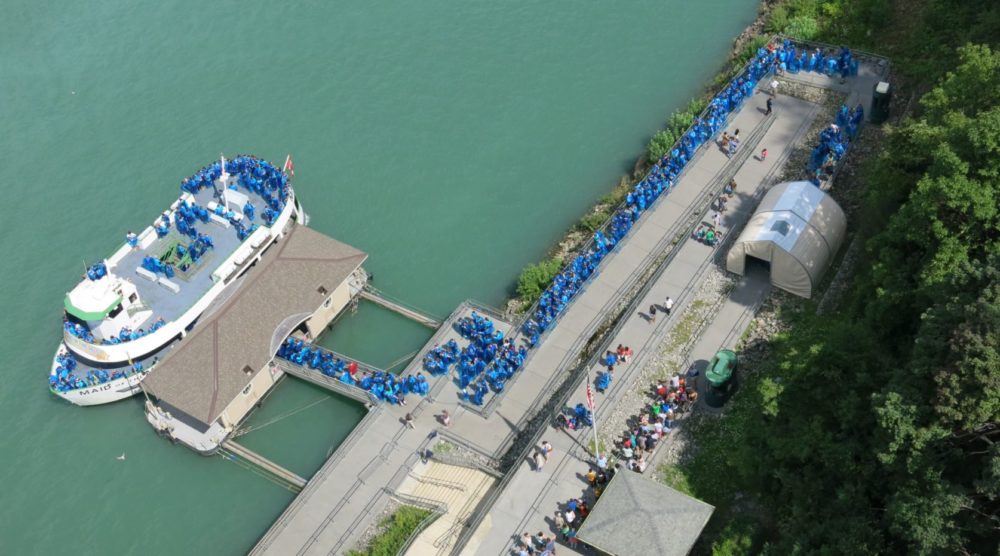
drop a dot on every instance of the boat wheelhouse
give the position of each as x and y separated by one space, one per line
130 309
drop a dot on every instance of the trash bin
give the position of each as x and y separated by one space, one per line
881 96
720 378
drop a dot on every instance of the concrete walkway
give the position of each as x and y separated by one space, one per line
532 497
530 500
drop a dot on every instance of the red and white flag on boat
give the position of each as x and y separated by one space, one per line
590 394
288 168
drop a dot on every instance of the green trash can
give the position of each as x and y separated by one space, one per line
881 96
719 375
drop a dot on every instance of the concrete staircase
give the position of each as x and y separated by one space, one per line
458 488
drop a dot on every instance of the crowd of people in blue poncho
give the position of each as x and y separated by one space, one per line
487 362
383 385
126 334
65 378
97 271
833 142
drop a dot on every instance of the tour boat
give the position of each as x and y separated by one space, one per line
130 309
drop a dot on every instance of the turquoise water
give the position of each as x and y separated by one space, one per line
453 141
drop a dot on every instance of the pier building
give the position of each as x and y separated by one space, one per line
205 388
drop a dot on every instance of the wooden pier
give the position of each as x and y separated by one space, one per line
259 461
377 297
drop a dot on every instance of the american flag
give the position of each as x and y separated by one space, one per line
590 394
289 168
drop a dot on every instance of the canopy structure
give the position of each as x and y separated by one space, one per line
636 515
798 229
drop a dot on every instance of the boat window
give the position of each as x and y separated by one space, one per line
114 312
133 297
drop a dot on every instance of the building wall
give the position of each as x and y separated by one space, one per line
245 400
332 307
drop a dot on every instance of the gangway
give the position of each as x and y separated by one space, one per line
379 298
231 449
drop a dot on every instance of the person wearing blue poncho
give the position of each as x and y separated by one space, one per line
132 239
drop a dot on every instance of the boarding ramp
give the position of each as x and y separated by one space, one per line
328 382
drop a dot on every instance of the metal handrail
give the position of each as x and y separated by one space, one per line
354 392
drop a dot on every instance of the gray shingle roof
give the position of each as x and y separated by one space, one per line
206 371
636 515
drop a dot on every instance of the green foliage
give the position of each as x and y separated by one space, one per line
777 20
802 27
876 429
678 122
659 145
736 538
593 221
674 477
535 278
397 528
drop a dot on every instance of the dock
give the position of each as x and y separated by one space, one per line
379 298
231 449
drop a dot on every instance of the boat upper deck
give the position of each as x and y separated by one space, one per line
172 271
164 302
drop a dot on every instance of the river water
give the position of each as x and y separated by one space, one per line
453 141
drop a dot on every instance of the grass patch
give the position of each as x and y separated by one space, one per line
443 447
674 477
604 448
395 530
684 329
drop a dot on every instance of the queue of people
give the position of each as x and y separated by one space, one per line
384 385
663 175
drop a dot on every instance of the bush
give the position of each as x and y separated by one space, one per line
593 221
396 529
535 278
736 539
659 145
778 20
802 27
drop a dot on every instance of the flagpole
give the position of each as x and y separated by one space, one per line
590 402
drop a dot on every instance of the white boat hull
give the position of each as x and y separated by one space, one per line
110 391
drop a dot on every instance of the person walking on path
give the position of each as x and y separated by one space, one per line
652 314
774 87
763 155
669 303
539 461
546 450
769 103
409 421
445 418
717 220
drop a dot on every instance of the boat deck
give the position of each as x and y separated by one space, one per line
165 303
